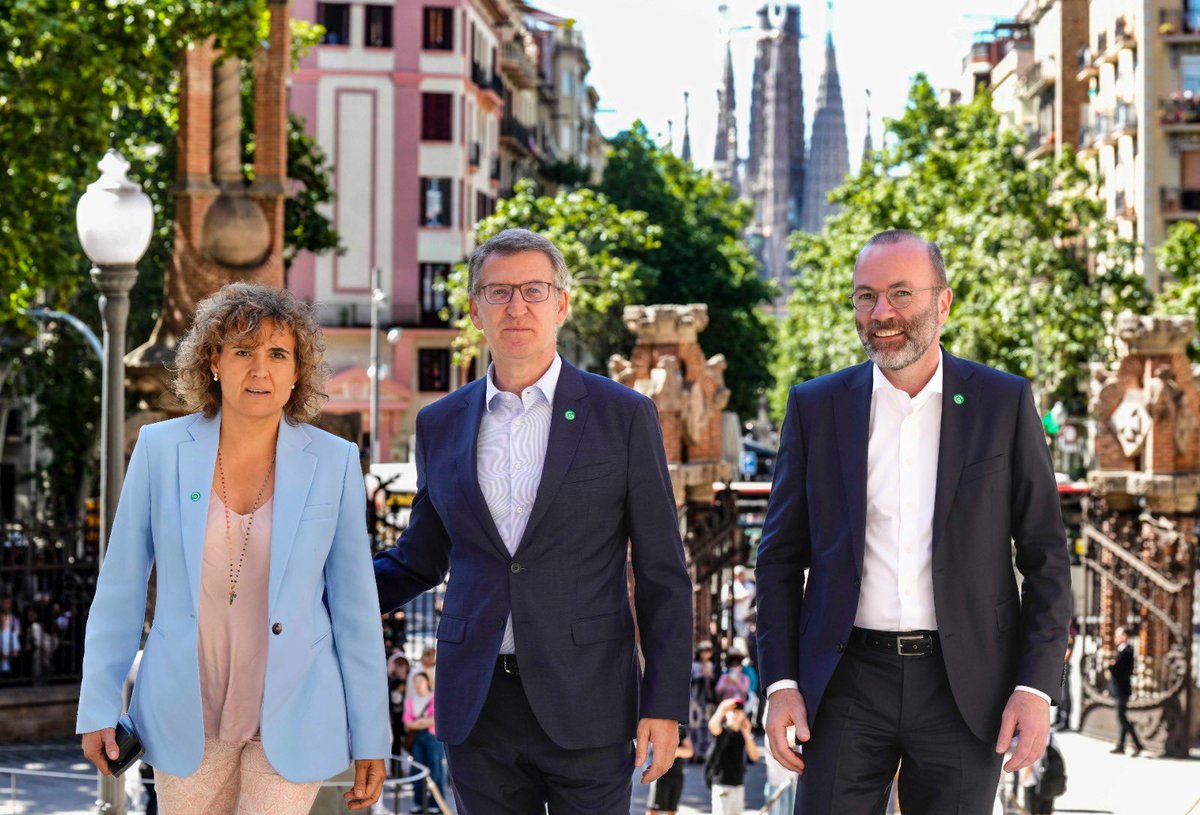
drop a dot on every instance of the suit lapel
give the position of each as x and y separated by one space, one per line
294 470
852 418
467 465
569 396
196 460
953 437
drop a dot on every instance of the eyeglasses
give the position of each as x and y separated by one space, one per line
899 298
499 294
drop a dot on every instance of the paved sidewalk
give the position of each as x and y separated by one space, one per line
1098 783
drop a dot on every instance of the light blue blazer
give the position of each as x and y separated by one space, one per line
325 695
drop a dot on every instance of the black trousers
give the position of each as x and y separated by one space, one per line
1126 725
509 766
882 711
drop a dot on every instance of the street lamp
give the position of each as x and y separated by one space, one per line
114 219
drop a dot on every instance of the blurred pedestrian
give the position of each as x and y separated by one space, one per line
397 691
263 674
1062 718
426 666
426 749
1120 685
1045 780
10 637
666 791
733 684
725 767
702 698
738 598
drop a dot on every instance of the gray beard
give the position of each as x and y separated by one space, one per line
919 334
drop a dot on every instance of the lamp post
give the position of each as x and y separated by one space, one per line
114 219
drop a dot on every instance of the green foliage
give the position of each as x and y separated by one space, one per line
1179 259
1016 236
598 241
701 257
76 77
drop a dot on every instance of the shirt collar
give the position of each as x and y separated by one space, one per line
547 384
934 385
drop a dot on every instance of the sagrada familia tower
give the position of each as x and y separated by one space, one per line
788 185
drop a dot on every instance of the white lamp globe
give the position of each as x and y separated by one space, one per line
114 218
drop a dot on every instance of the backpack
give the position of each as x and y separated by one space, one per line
1053 780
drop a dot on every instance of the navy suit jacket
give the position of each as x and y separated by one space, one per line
605 492
995 488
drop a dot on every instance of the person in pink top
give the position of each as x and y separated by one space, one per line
426 749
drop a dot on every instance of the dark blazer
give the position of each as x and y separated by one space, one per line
604 485
1120 673
995 487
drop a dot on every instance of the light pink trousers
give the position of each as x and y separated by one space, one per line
234 776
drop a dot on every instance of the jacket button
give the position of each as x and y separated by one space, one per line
277 628
516 568
841 646
503 623
858 582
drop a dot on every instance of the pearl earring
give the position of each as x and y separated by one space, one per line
216 378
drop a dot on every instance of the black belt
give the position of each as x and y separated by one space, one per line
902 643
507 664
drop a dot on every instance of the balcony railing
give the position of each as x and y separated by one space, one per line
516 59
1180 201
1039 140
485 79
1124 117
1179 22
513 130
1182 108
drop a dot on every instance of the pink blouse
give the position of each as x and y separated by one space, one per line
233 637
418 707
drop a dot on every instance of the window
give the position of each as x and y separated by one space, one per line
1189 70
438 29
379 26
335 17
436 205
432 300
485 206
433 370
437 116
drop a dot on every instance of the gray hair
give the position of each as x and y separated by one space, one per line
512 242
900 236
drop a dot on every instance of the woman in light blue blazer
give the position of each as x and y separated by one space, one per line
264 672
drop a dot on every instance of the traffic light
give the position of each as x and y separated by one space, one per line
91 522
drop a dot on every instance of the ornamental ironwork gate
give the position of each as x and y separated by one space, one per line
1139 571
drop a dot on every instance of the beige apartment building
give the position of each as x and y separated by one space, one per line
1119 80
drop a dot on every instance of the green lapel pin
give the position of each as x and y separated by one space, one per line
569 415
195 497
959 398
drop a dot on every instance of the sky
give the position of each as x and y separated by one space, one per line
646 53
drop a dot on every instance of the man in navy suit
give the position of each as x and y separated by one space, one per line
534 486
901 488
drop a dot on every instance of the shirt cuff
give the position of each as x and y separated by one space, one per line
780 685
1035 692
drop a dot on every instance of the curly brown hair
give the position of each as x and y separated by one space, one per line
234 313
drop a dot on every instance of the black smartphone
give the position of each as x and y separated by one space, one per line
129 746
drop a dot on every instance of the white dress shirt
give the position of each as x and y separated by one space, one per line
510 453
902 461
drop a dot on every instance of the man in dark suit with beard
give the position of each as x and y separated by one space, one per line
901 487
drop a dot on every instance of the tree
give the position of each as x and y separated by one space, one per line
1179 258
599 242
701 256
1037 272
54 44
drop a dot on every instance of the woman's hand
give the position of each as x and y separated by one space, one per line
99 746
369 774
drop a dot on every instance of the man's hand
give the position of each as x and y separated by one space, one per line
785 708
99 746
664 735
369 774
1027 716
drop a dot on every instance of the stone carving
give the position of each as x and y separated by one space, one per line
1131 421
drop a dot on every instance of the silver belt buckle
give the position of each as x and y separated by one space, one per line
900 643
509 663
